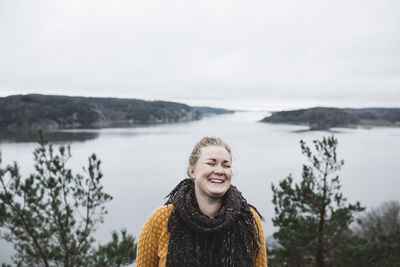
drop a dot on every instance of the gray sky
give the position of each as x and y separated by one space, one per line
234 54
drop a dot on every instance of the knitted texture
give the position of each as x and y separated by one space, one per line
220 243
228 239
154 238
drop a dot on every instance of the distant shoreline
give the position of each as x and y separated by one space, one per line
324 118
54 112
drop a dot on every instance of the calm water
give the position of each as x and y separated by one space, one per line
141 165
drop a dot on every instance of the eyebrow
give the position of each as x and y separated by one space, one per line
213 159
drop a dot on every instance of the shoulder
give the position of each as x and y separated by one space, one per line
255 213
257 220
153 238
159 217
163 210
156 223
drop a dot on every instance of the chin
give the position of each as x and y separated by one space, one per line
218 193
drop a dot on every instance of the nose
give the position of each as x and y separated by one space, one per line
219 169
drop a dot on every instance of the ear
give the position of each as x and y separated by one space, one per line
191 172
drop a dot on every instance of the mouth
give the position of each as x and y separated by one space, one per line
216 181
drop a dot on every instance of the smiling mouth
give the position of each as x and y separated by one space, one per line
217 181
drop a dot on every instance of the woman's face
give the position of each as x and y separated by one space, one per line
212 173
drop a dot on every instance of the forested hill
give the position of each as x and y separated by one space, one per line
209 111
321 118
55 112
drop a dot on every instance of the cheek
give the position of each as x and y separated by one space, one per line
204 172
199 172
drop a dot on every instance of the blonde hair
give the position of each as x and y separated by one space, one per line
204 142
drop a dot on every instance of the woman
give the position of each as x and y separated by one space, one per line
205 221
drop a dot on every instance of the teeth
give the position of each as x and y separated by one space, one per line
216 181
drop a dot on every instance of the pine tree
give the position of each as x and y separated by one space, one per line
50 216
116 253
312 216
375 240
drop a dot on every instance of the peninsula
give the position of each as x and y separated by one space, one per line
324 118
35 111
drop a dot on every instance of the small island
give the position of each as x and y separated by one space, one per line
324 118
52 112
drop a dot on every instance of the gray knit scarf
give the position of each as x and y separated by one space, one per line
229 239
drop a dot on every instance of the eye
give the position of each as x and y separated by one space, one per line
210 163
227 166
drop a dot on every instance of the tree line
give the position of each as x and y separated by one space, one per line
51 215
323 118
36 111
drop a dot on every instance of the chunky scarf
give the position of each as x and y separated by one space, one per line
229 239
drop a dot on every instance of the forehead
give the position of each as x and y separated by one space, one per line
216 152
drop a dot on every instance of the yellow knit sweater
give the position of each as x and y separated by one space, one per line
153 240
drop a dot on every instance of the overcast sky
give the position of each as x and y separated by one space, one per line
235 54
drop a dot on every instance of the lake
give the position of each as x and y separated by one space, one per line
142 164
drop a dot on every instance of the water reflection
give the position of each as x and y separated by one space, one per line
328 131
52 136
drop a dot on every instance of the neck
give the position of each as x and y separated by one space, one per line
208 206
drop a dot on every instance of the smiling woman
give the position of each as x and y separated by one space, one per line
211 174
206 220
